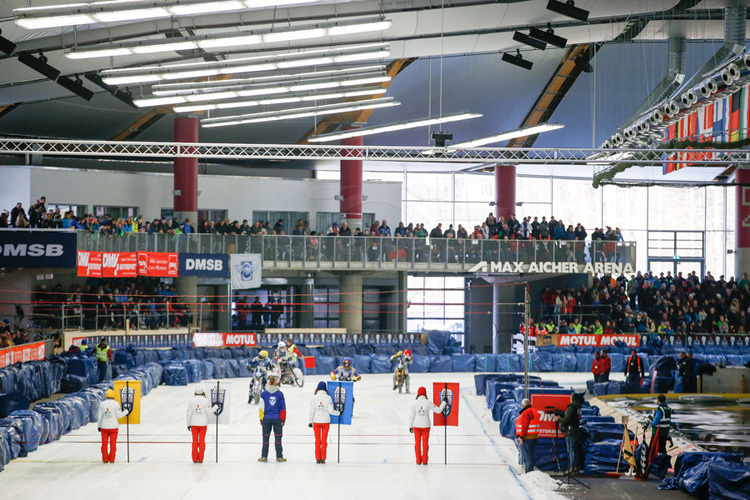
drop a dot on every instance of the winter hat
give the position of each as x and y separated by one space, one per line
110 394
322 387
422 391
199 391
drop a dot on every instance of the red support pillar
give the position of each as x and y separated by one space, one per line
742 224
186 173
505 191
351 186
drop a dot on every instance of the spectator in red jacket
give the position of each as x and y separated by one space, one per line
596 367
606 367
527 431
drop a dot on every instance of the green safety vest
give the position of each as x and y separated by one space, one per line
102 354
666 419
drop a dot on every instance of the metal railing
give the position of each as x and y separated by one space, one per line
366 252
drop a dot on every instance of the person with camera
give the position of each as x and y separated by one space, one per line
527 431
570 425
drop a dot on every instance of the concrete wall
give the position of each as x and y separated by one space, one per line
152 192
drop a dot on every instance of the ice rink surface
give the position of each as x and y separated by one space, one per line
377 453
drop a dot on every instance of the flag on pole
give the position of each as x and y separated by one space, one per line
628 452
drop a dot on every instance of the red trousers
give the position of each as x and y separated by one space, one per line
199 442
109 435
421 444
321 440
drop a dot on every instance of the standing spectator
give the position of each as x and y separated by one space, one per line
450 232
384 230
272 417
527 431
256 313
321 409
634 370
606 367
596 368
4 222
15 212
198 410
437 231
103 358
107 423
420 423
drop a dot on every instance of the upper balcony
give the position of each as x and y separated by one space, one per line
354 253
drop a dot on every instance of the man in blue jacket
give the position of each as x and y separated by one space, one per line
272 411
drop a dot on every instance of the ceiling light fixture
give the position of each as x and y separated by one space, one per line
517 60
293 113
213 41
548 36
513 134
79 14
527 40
568 9
162 73
394 127
303 97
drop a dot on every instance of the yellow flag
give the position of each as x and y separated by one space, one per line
627 448
129 392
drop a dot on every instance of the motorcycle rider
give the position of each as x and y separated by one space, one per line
406 358
345 372
264 363
285 357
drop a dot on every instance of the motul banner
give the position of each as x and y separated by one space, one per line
598 340
544 405
449 392
119 265
159 264
89 264
205 339
22 353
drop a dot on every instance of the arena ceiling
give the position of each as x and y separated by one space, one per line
443 55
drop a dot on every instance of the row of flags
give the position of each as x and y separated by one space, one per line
724 120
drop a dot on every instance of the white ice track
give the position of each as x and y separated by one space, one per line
377 454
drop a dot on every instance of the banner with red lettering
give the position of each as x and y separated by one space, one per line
24 353
544 405
89 264
446 391
160 264
119 265
205 339
598 340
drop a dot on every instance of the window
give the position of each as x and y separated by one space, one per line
115 212
324 220
78 210
203 215
326 308
436 303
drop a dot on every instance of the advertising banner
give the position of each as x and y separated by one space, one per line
246 271
89 264
128 394
35 351
598 340
220 395
206 265
544 405
119 265
159 264
342 394
446 391
47 248
206 339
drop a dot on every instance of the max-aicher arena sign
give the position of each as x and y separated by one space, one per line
552 267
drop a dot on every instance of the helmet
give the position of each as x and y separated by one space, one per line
347 361
110 394
281 345
407 353
263 354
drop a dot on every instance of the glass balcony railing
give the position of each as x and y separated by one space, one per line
365 252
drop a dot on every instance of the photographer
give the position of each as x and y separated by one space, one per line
527 430
570 424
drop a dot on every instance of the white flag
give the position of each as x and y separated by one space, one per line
246 270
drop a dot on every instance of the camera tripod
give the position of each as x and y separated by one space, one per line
568 477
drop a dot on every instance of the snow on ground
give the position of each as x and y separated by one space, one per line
377 453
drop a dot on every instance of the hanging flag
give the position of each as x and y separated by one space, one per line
734 116
669 134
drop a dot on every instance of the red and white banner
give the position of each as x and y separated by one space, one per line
89 264
160 264
205 339
544 405
449 391
598 340
22 353
119 265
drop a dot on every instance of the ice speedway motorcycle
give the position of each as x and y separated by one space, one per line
400 374
289 373
256 385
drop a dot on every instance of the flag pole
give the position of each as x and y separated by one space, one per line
445 427
217 423
127 418
341 414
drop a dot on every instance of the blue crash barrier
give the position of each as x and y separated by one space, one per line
9 434
660 465
497 388
12 402
462 363
421 364
484 362
509 414
729 481
53 415
175 374
602 457
193 368
594 432
380 363
325 364
596 419
34 427
363 363
440 364
551 455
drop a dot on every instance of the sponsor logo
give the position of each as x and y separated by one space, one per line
33 250
83 259
204 265
245 270
172 264
551 267
142 264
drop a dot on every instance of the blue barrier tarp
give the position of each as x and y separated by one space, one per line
362 363
595 419
10 434
54 417
12 402
325 364
509 411
728 481
462 363
602 457
208 369
194 369
600 389
440 364
484 362
502 362
421 364
380 363
175 374
594 432
547 453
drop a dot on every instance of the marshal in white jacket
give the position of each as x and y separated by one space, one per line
198 410
109 412
321 408
419 413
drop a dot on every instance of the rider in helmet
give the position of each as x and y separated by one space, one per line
264 363
406 358
345 372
